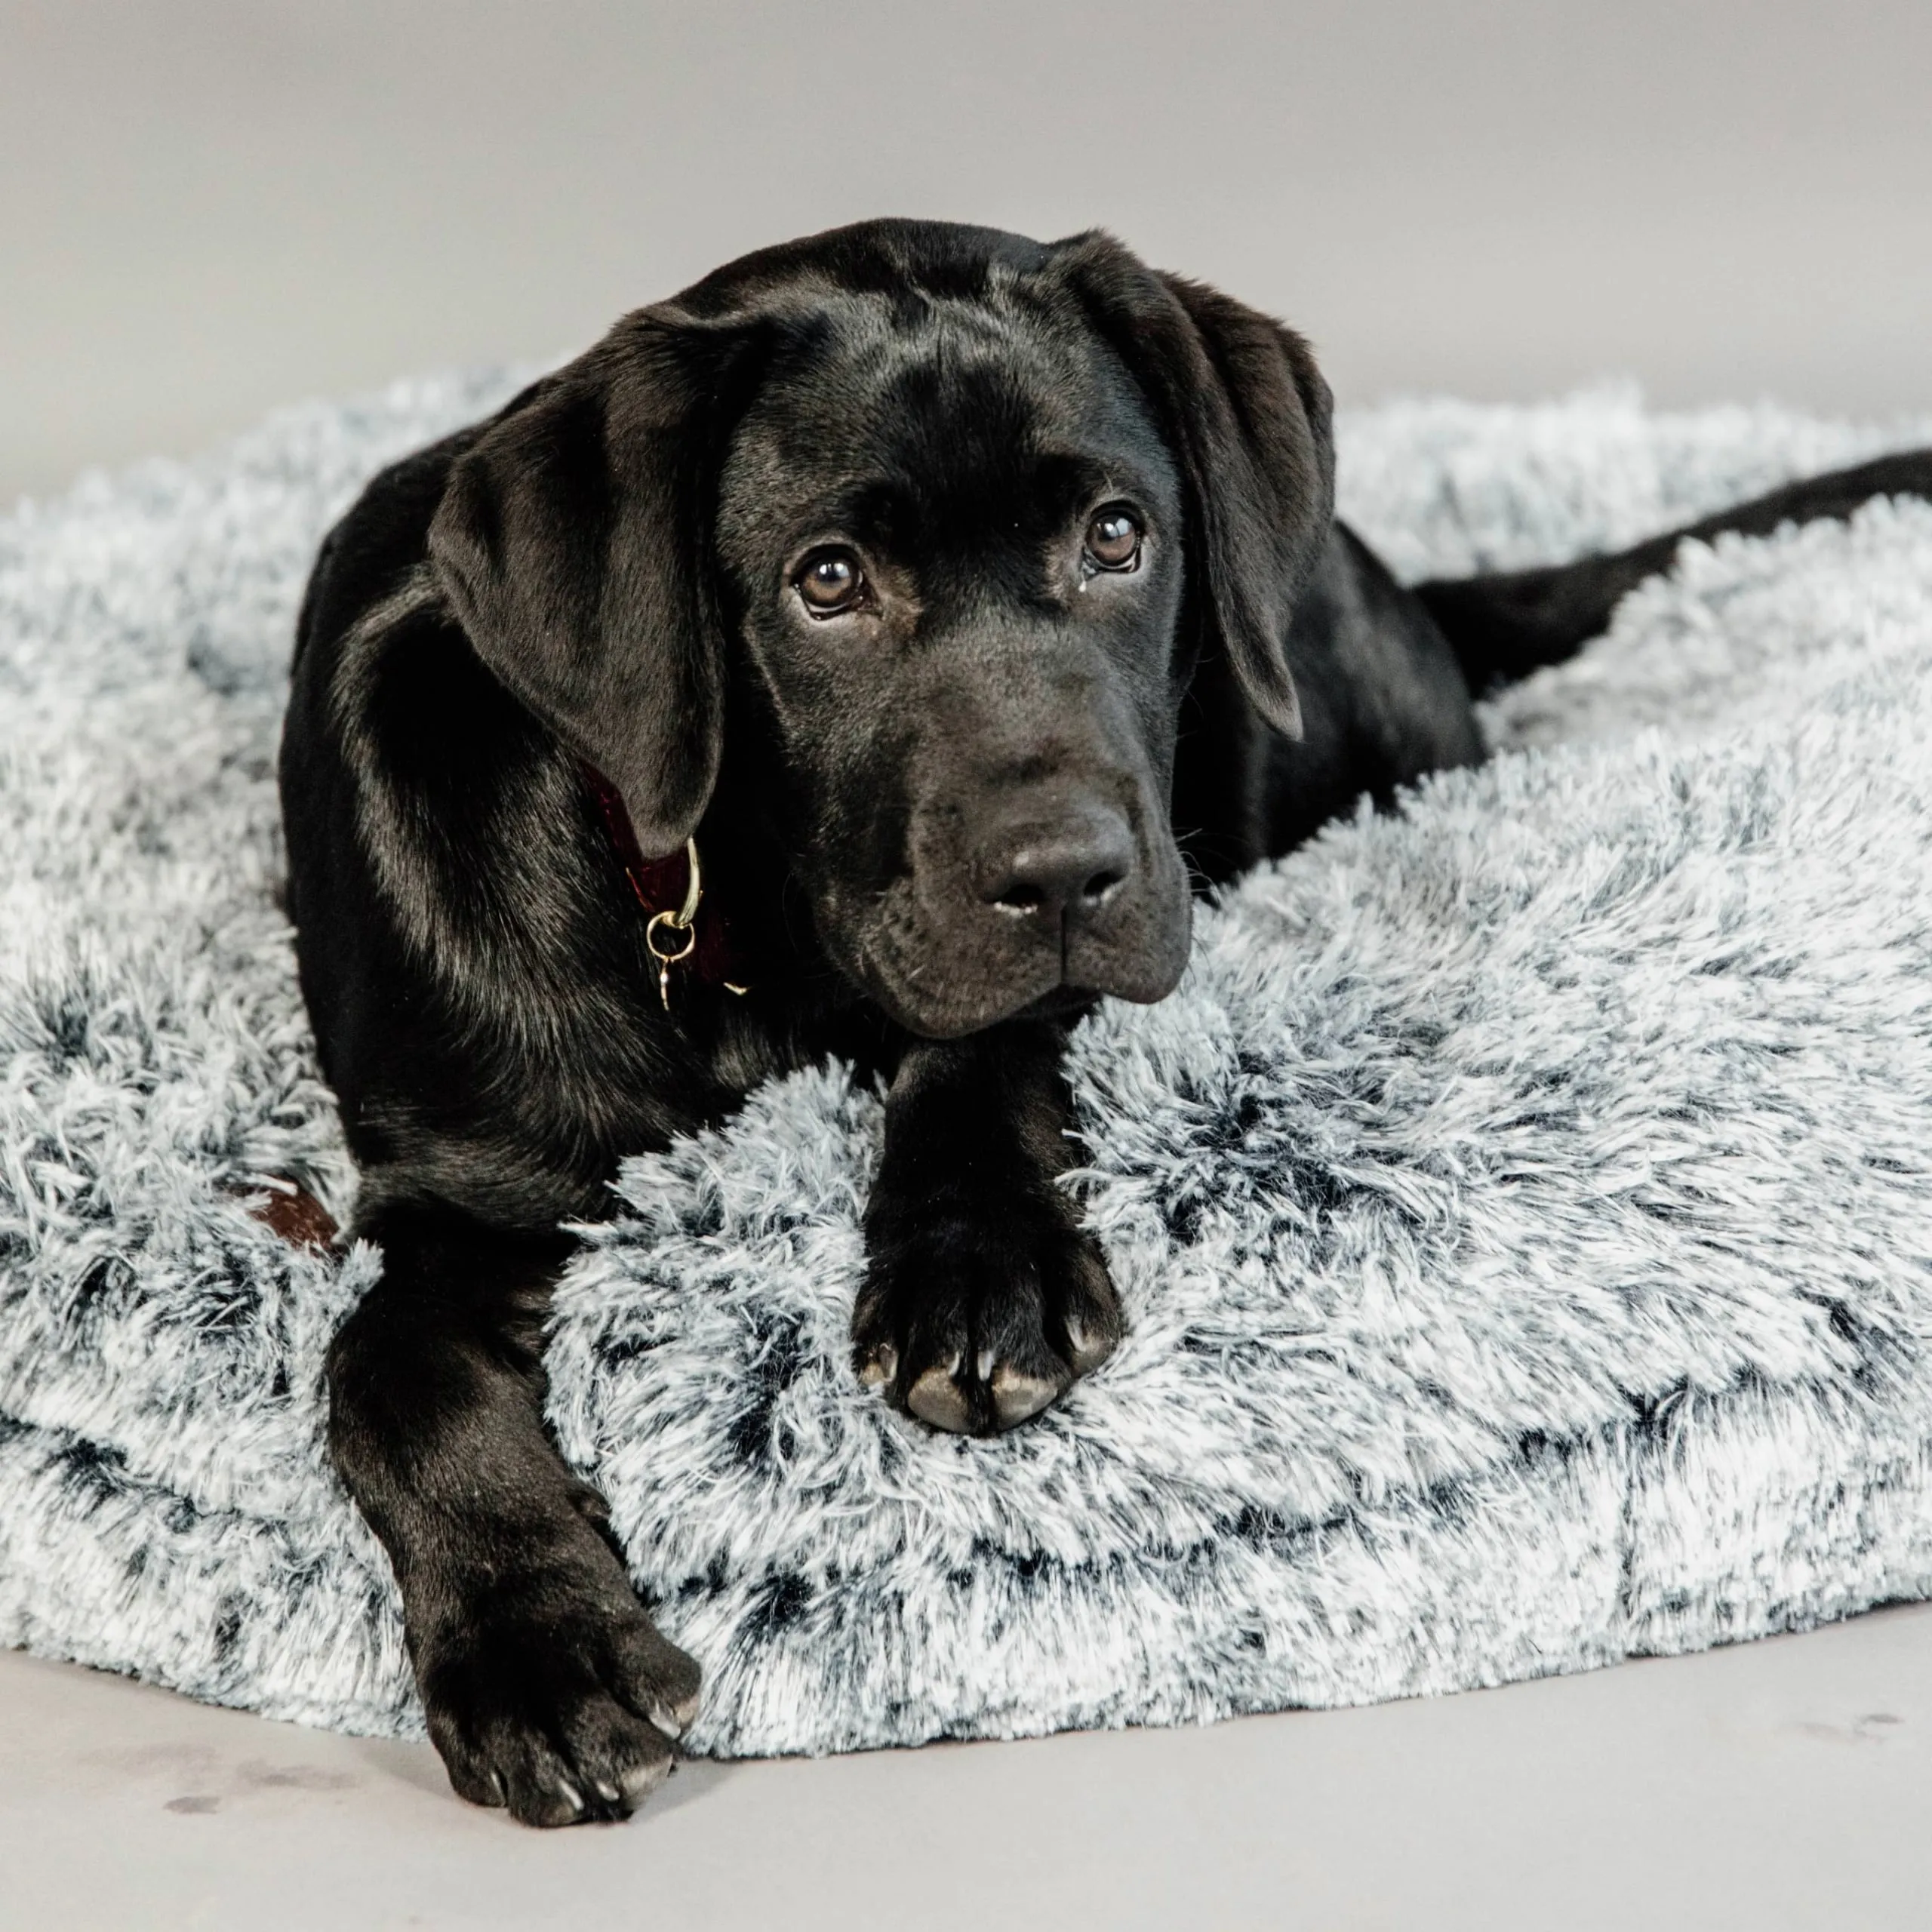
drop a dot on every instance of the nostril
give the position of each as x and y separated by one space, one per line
1069 867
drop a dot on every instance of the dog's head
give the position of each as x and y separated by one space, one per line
950 519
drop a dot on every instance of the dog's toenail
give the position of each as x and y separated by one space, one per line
641 1780
1088 1350
1017 1397
985 1363
937 1398
673 1719
882 1368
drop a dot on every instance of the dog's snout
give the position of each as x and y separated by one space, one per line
1056 871
1035 890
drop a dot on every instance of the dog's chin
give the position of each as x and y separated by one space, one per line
949 1008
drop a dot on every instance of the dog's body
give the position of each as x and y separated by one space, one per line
972 602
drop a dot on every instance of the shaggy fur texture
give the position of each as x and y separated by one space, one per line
1523 1209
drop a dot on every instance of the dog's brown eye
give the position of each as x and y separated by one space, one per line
1113 539
830 582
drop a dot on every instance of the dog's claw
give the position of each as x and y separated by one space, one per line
641 1780
1086 1348
937 1397
674 1718
1018 1396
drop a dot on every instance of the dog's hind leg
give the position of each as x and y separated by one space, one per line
546 1687
1504 625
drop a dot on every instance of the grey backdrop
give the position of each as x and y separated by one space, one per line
210 206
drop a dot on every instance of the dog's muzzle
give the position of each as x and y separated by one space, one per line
1044 892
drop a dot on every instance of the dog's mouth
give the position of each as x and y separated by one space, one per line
1064 1002
956 1012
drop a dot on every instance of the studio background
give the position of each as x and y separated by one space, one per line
210 207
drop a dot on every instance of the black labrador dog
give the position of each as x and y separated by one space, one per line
870 651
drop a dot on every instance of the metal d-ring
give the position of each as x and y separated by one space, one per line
683 920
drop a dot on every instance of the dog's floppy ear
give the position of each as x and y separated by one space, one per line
1247 415
572 543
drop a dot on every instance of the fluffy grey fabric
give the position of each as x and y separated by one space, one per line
1522 1209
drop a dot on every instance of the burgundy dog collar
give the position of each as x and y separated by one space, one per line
684 928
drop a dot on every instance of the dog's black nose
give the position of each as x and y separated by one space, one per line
1058 871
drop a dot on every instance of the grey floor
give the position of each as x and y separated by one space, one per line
212 207
1785 1784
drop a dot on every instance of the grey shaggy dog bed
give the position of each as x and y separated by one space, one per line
1523 1209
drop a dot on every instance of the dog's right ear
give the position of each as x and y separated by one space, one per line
572 541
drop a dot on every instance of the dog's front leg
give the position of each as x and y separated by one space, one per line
983 1297
546 1687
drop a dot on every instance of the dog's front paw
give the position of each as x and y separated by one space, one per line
974 1323
555 1696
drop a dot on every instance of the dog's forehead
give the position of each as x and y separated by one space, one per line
865 384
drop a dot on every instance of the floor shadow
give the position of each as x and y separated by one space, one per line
416 1765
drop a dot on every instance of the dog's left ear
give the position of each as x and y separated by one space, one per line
1249 418
572 541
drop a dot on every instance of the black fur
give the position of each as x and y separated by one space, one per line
940 822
